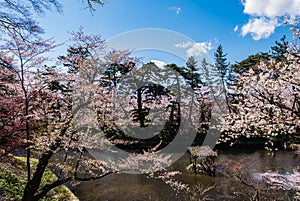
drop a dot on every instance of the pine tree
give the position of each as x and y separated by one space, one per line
221 62
148 94
224 70
280 49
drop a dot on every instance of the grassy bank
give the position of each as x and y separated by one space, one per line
13 181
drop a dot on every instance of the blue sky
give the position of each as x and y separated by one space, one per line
243 28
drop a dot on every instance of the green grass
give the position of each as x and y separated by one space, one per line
11 185
13 181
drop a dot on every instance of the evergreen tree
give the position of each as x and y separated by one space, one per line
250 62
189 73
147 94
116 65
153 94
280 49
192 74
221 62
225 72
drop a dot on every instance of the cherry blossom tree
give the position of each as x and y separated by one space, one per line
56 140
11 126
269 100
25 53
37 107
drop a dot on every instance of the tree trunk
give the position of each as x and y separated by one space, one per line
141 115
33 185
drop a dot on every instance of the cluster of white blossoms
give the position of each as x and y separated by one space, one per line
269 100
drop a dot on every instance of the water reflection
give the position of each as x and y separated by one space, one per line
224 186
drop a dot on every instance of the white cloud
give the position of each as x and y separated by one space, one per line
236 28
176 9
158 63
272 8
259 27
195 49
184 44
199 48
265 16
